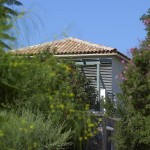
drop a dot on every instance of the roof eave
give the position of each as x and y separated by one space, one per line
93 55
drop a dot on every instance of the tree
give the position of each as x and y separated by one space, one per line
133 130
44 84
21 127
33 90
6 21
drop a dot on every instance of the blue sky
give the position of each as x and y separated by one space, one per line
112 23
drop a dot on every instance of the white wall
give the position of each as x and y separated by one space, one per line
117 68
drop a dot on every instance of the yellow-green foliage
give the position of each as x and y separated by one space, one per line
24 130
50 86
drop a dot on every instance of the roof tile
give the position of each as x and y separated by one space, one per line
67 46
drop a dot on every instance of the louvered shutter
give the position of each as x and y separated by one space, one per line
90 71
100 74
106 78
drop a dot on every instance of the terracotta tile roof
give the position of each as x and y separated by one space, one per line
68 46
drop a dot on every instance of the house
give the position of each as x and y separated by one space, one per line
101 64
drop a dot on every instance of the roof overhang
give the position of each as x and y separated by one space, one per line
93 55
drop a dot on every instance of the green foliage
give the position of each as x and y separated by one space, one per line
146 20
133 130
25 130
109 106
7 13
53 95
43 83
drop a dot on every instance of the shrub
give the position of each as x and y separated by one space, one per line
46 84
133 130
24 130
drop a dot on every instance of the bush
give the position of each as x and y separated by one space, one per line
25 130
43 83
133 130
